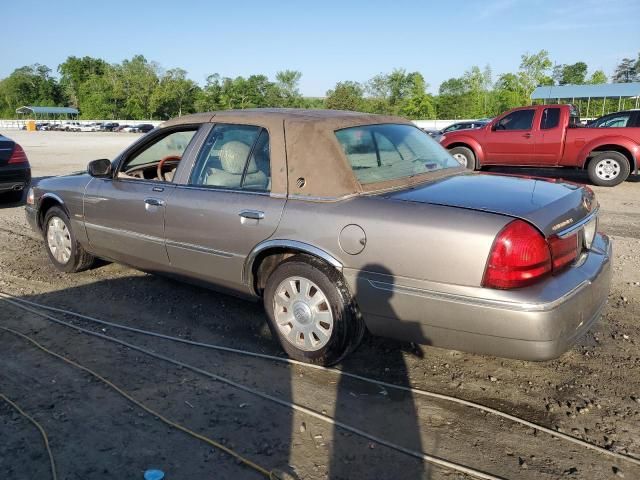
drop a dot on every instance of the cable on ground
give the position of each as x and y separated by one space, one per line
40 428
417 391
290 405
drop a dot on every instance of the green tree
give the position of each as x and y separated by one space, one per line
574 74
626 71
29 85
534 70
174 95
597 77
288 81
418 104
345 96
138 79
74 72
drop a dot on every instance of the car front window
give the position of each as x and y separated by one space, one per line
379 153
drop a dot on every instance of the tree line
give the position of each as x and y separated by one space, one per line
140 89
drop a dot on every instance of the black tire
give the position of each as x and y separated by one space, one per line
608 169
348 326
466 154
79 259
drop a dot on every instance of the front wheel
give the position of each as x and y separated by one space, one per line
464 156
311 312
64 251
608 169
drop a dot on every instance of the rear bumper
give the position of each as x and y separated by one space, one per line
534 323
14 179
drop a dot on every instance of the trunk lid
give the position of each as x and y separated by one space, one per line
550 205
6 149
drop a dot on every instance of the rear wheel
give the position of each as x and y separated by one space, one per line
608 169
311 312
464 156
64 251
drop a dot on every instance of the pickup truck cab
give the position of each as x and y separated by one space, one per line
548 136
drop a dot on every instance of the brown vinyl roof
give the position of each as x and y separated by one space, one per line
311 151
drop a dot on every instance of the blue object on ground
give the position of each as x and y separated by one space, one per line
153 475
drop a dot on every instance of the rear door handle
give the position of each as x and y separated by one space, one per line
154 202
252 214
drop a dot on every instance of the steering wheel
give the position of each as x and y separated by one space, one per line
162 162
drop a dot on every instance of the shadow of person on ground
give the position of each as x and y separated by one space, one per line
389 415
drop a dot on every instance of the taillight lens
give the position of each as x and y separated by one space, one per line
18 155
563 251
520 255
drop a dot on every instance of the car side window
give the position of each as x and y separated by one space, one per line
518 120
550 118
614 121
234 157
168 150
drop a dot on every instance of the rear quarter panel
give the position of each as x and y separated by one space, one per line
416 241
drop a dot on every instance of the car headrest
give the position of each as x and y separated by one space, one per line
233 156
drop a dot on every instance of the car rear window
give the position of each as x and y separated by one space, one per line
378 153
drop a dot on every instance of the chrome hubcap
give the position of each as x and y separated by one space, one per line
303 314
59 240
607 169
462 160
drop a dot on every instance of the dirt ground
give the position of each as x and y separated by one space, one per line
592 392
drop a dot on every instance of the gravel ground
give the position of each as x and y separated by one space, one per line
592 392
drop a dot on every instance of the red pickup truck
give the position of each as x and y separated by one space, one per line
549 136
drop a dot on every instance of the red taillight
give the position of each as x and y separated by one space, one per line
520 255
563 251
18 155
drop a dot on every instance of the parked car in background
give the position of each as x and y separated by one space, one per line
15 171
89 127
71 126
388 234
121 128
109 126
459 126
548 136
129 129
627 118
144 128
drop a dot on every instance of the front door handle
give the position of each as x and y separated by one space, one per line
527 135
154 202
252 214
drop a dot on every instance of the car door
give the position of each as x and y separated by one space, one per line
124 214
225 207
509 140
548 137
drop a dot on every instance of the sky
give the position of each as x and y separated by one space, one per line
327 40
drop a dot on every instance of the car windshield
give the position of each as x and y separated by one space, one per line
378 153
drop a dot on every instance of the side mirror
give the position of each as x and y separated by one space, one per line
99 168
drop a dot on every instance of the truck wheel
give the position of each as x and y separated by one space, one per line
608 169
311 312
64 251
464 156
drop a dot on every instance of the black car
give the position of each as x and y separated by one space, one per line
144 127
109 126
627 118
15 171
